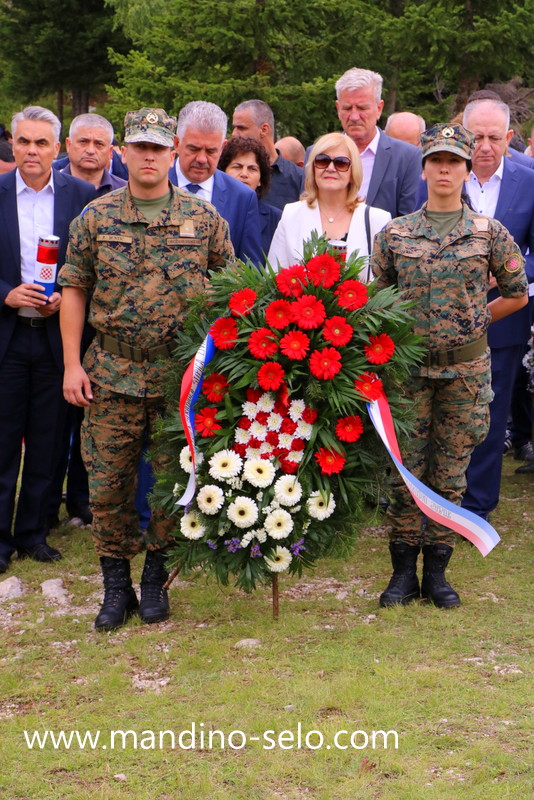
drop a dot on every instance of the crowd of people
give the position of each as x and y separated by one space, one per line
444 213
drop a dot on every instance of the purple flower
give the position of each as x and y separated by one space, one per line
233 544
297 547
211 544
255 551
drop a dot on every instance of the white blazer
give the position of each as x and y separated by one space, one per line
299 220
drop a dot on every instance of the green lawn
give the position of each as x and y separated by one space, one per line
455 686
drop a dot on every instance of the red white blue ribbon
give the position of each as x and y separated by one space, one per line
189 393
458 519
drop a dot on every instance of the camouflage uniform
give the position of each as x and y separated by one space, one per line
448 282
140 275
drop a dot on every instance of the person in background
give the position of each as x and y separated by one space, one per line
405 126
291 149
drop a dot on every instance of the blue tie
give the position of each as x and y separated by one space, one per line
193 187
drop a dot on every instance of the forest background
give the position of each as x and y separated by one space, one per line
114 55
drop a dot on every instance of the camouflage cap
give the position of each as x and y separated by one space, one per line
149 125
451 138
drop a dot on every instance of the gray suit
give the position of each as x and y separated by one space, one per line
395 177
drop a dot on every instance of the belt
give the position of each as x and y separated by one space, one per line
446 358
32 322
124 350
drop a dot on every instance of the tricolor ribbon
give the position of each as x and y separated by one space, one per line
458 519
189 392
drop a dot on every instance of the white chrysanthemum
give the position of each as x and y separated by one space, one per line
210 499
250 410
225 464
287 490
186 462
280 560
259 534
278 524
296 456
304 430
317 506
258 430
265 447
285 440
191 525
243 512
296 409
242 436
176 490
253 453
259 472
274 421
266 402
247 538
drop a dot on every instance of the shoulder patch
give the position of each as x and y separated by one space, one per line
513 264
481 223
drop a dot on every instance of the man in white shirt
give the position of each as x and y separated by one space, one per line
34 201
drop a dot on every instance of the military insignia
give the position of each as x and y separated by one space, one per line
188 228
481 223
513 265
152 117
447 132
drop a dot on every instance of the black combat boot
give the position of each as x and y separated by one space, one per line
434 586
120 600
154 605
403 587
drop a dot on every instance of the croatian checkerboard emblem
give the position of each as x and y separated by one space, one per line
46 274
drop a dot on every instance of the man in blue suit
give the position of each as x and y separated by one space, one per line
34 201
500 188
199 142
391 168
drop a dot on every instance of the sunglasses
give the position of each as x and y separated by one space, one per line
341 163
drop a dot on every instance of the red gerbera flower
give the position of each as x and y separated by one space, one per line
253 395
330 461
349 429
215 387
351 294
295 345
369 385
325 363
262 343
323 270
224 333
308 312
241 302
282 400
338 331
270 376
205 422
278 314
291 281
380 350
309 415
289 467
288 426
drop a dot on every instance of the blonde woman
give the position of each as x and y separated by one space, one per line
330 204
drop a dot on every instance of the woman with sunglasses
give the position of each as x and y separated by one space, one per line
329 205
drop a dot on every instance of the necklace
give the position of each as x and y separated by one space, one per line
336 215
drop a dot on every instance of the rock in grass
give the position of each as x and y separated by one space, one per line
10 588
54 591
248 644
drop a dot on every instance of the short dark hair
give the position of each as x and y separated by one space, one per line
6 151
237 145
467 161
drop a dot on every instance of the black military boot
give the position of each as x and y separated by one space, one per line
120 600
154 605
434 587
403 587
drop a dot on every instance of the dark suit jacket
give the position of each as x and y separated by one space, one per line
521 158
119 169
239 206
395 177
70 197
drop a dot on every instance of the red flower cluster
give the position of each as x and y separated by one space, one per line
308 312
349 429
241 302
323 270
271 376
338 331
325 363
291 281
215 387
380 349
262 343
278 314
224 333
205 422
369 385
295 345
351 294
330 461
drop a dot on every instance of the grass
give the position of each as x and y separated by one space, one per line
454 685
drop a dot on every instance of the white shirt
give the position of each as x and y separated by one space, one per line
35 211
368 162
484 196
206 187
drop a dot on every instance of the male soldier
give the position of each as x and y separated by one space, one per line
255 119
440 257
142 251
405 126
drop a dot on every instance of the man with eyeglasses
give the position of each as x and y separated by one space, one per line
503 189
